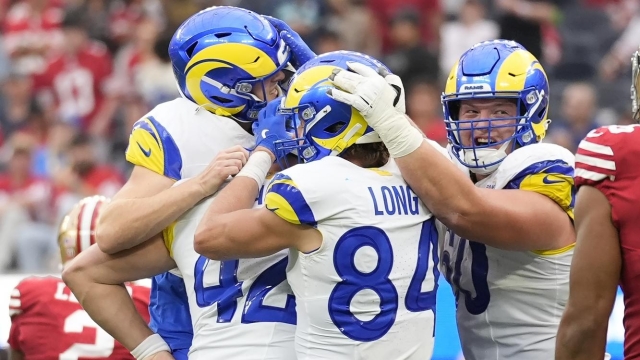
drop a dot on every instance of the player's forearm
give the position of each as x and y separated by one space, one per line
125 223
111 307
240 194
239 235
580 337
96 279
443 188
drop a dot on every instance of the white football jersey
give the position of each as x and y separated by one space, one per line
509 303
369 291
240 309
178 139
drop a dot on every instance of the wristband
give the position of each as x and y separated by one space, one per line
151 345
257 167
399 136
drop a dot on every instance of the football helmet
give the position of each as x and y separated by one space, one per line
221 54
635 85
78 228
325 127
490 70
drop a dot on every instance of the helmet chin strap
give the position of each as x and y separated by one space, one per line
479 157
342 144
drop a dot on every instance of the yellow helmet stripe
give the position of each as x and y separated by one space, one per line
250 59
305 81
512 65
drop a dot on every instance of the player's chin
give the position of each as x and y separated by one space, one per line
274 93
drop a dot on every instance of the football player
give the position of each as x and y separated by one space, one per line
47 322
240 309
227 62
508 206
364 249
608 239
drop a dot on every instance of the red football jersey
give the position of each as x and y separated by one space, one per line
47 322
609 160
77 83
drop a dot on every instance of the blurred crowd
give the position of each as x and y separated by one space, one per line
76 74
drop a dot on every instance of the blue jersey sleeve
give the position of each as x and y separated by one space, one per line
169 312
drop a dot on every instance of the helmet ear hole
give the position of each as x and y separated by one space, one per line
522 108
190 49
454 109
335 128
221 99
542 113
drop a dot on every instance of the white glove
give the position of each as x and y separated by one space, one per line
376 99
396 83
367 91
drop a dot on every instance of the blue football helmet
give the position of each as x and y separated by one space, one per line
328 126
220 54
497 69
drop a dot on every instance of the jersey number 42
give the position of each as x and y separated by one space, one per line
229 290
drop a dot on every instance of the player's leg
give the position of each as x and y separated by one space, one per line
96 279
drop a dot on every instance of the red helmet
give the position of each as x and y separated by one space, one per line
78 229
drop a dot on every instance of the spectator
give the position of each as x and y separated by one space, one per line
50 154
618 56
353 23
153 78
525 21
98 15
32 31
84 176
579 105
302 15
428 13
423 106
458 36
125 15
25 212
16 104
176 12
327 41
74 80
410 58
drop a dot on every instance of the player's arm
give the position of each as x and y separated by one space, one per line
223 232
148 203
240 194
253 233
595 272
507 219
286 221
97 280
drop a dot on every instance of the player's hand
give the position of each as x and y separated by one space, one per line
162 355
395 82
227 163
270 128
300 51
368 92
